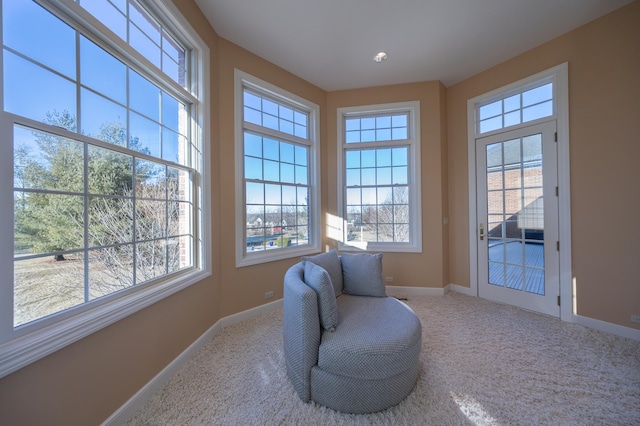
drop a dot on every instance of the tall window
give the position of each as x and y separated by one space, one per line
379 160
105 145
277 153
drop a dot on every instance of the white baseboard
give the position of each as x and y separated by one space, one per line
618 330
463 290
129 408
398 291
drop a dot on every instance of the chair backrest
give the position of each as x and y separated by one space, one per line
301 330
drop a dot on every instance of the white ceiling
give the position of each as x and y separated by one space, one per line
331 43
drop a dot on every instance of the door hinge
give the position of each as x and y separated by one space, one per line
557 191
558 245
558 300
555 136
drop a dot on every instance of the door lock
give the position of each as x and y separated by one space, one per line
481 231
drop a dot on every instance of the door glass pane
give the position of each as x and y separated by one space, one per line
515 214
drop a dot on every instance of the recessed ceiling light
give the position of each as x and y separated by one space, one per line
380 57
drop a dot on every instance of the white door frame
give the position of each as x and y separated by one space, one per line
560 78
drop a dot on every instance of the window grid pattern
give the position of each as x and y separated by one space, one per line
131 21
116 104
515 213
267 113
276 176
515 109
109 218
377 195
376 129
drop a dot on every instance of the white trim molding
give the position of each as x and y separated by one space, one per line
244 80
414 142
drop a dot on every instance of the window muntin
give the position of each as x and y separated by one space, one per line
379 196
101 202
527 105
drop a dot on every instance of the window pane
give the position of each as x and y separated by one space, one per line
46 223
399 134
172 49
110 270
491 124
106 226
46 161
173 114
145 135
287 152
255 193
64 287
352 124
171 146
271 170
537 95
110 172
151 260
33 92
491 110
109 15
537 111
102 118
102 72
143 44
151 219
36 33
142 20
144 96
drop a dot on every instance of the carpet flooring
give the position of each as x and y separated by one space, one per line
482 363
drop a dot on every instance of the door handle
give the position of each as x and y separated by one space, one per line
481 231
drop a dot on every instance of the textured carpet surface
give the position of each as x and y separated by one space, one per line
482 363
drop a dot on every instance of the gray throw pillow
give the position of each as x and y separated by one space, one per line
331 263
319 280
362 274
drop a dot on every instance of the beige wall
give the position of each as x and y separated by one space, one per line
429 268
604 120
87 381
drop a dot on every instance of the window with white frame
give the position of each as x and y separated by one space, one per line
379 177
103 110
278 165
529 103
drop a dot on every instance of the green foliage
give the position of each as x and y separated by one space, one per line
50 222
283 241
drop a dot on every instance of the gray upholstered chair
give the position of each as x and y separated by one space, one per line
361 358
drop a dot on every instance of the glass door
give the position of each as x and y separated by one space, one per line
517 232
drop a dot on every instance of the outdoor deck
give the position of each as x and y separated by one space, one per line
506 266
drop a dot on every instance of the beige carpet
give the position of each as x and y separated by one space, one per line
482 364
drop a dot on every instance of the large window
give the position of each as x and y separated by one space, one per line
104 136
277 160
379 184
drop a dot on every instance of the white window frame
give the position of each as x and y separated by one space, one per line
26 344
244 80
415 193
